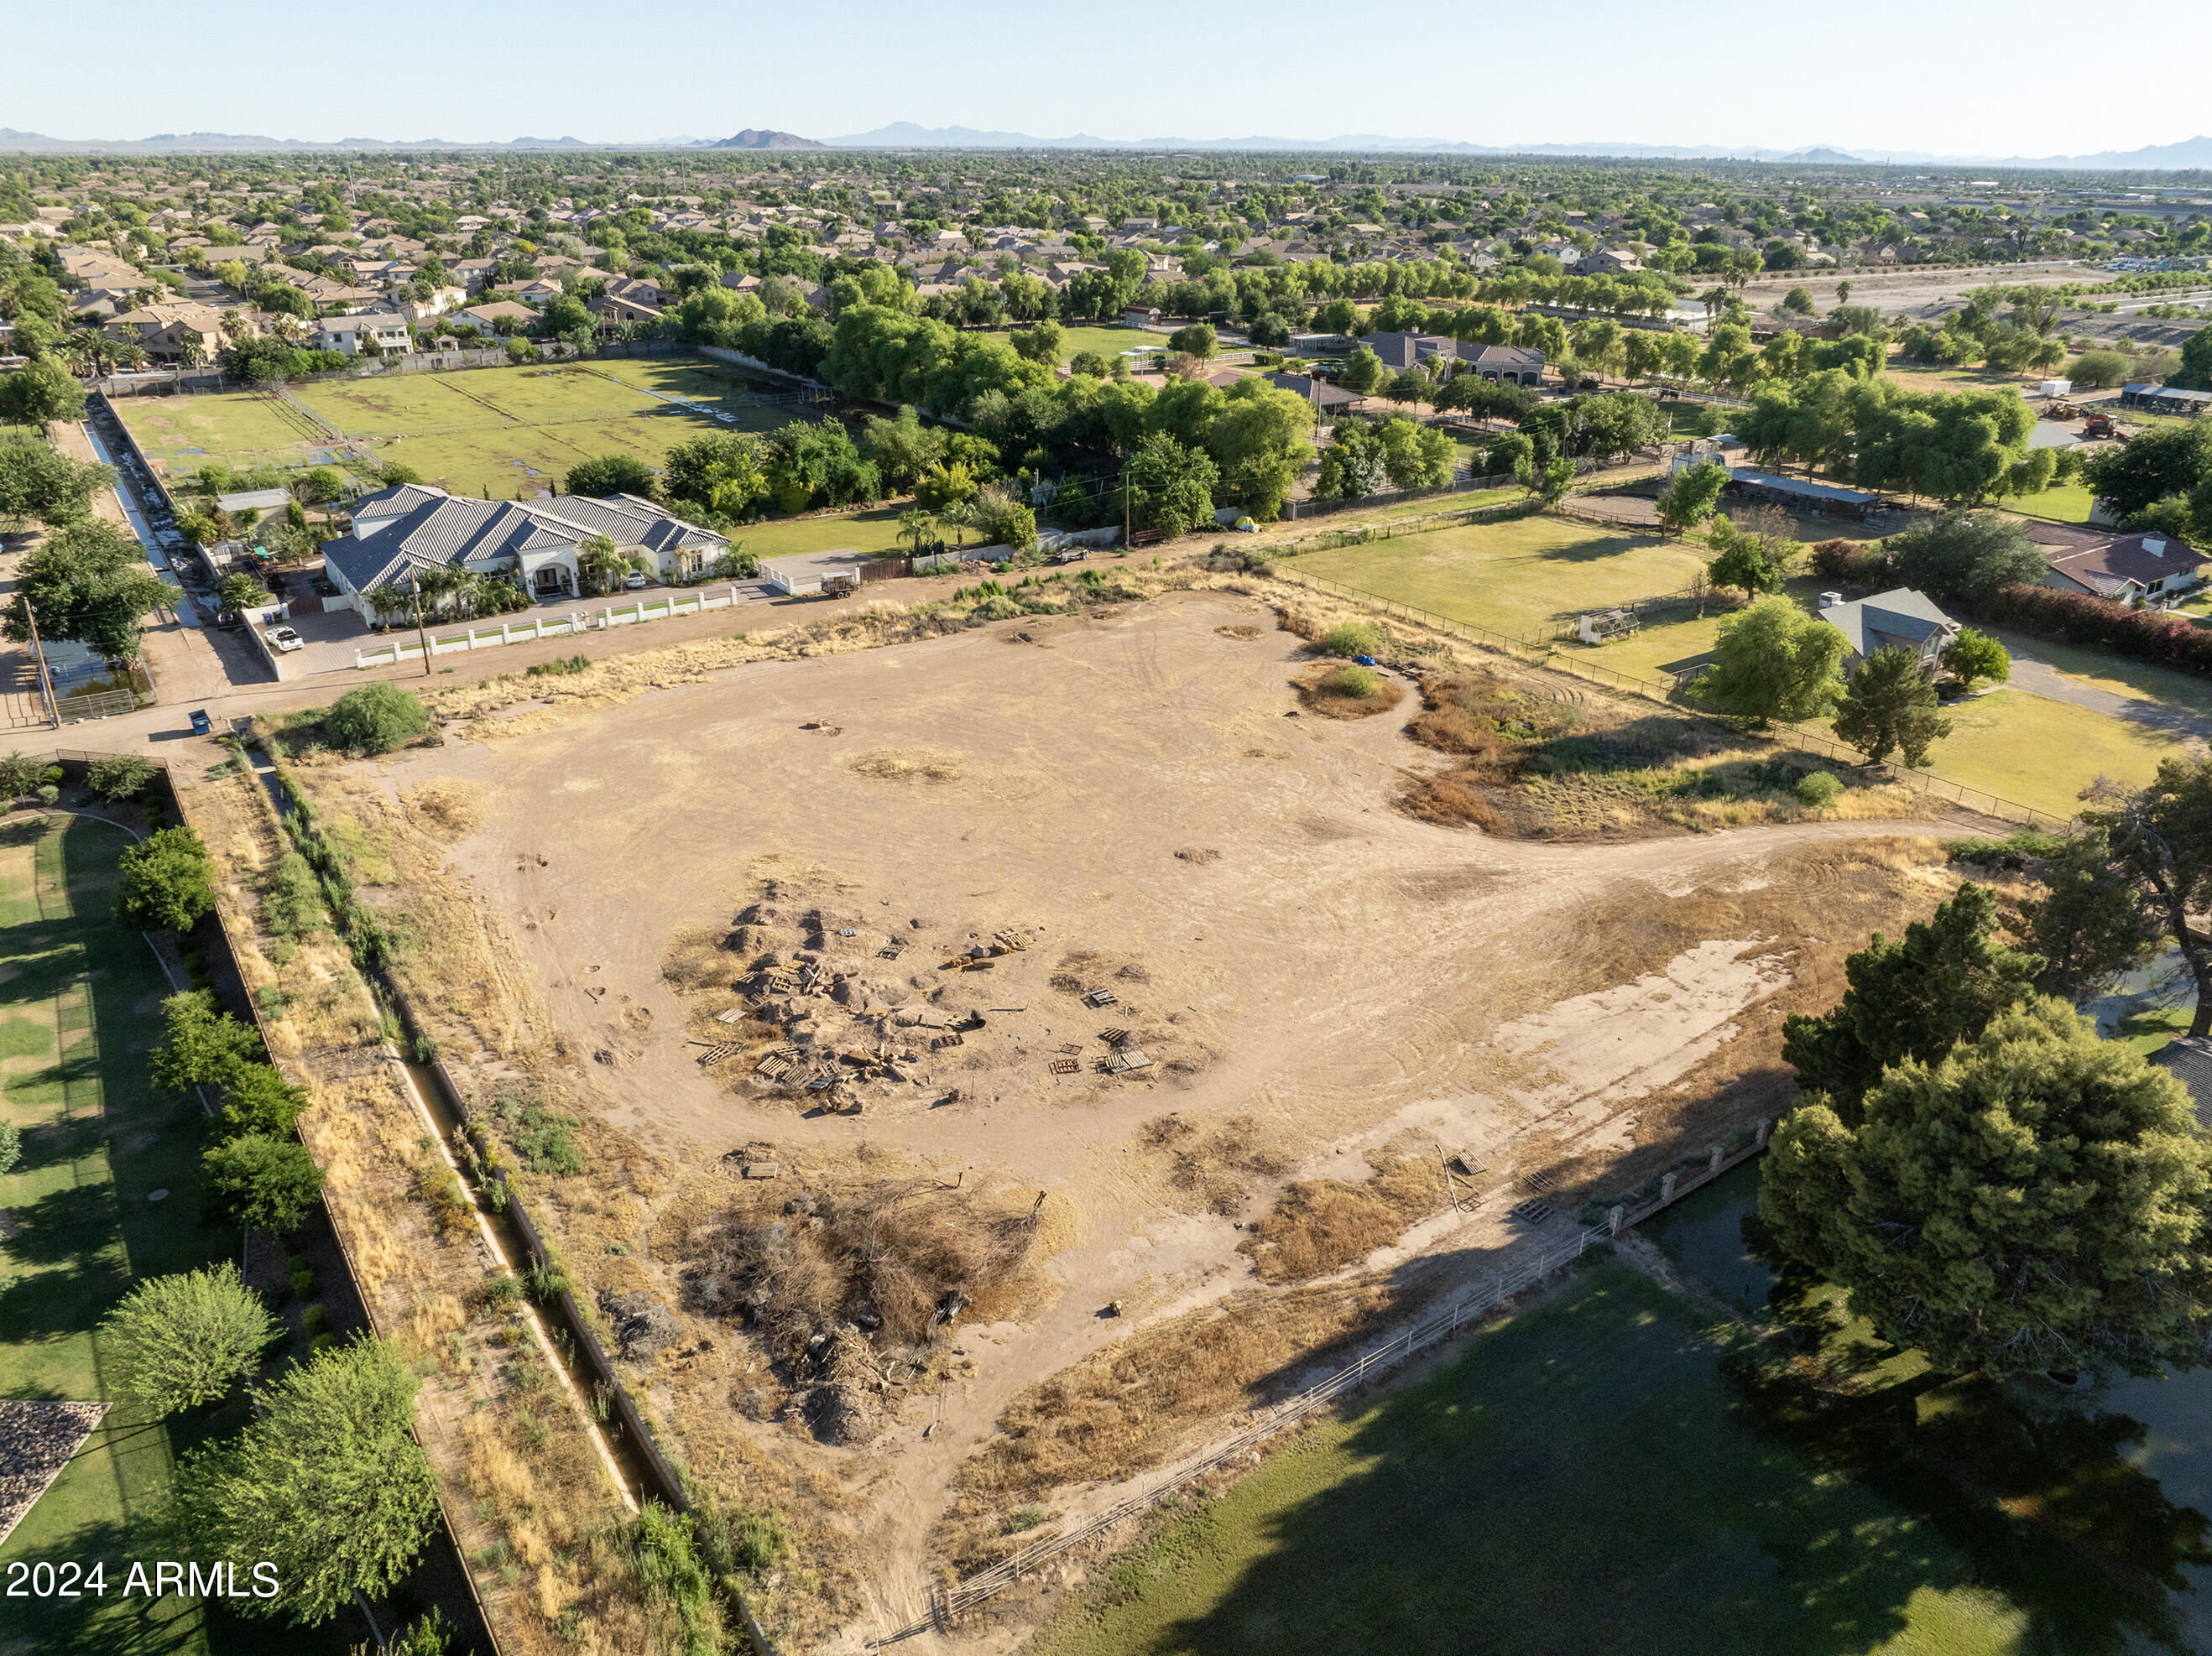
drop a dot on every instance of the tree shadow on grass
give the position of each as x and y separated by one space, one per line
2046 1506
1578 1482
1593 551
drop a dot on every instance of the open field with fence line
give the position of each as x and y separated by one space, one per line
504 431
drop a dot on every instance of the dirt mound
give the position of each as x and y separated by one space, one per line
910 765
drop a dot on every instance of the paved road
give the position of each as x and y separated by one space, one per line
2041 678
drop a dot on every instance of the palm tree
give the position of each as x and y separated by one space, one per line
914 523
596 557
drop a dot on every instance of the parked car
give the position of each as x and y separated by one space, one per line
285 639
635 580
202 725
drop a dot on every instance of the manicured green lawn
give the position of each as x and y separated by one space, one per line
2026 749
80 1006
1587 1478
1518 576
2065 503
505 431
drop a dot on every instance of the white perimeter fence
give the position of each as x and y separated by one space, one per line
574 624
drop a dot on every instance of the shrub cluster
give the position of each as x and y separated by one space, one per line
2170 640
1859 564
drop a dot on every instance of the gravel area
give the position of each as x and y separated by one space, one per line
36 1441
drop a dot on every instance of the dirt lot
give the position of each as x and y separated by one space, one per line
1327 991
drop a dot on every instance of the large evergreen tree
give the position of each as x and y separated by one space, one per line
1913 997
2036 1199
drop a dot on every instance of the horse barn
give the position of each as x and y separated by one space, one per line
1758 488
2166 400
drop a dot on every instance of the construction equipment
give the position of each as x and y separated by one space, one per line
2061 410
2100 427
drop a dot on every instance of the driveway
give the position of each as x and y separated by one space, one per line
2041 678
334 636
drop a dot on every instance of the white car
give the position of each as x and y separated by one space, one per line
635 580
285 639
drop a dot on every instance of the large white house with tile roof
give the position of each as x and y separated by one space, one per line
401 532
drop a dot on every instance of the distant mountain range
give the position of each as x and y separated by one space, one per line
763 138
2191 153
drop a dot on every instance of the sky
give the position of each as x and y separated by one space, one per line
1935 75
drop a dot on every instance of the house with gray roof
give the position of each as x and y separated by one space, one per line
400 532
1899 619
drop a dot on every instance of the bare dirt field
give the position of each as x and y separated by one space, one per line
1147 1024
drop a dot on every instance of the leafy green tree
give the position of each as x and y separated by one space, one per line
375 718
1362 372
1199 339
90 583
1889 706
1773 661
1747 560
1910 998
1691 496
1965 556
168 882
2161 842
259 1099
39 391
2099 367
1973 655
178 1342
1415 455
2034 1199
260 1183
610 474
202 1046
119 776
38 484
1262 439
326 1483
2153 466
716 477
11 1146
1171 486
1547 482
2088 925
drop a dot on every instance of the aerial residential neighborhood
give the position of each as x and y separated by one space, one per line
894 885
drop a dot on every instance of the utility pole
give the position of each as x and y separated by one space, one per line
421 637
45 680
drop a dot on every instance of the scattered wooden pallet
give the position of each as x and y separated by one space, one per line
1127 1059
1544 1183
892 950
1066 1066
1531 1212
1114 1037
736 1014
848 932
719 1050
1073 1047
772 1069
1100 997
942 1041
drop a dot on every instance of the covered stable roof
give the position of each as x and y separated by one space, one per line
1832 493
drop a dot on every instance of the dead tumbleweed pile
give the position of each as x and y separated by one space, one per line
842 1287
